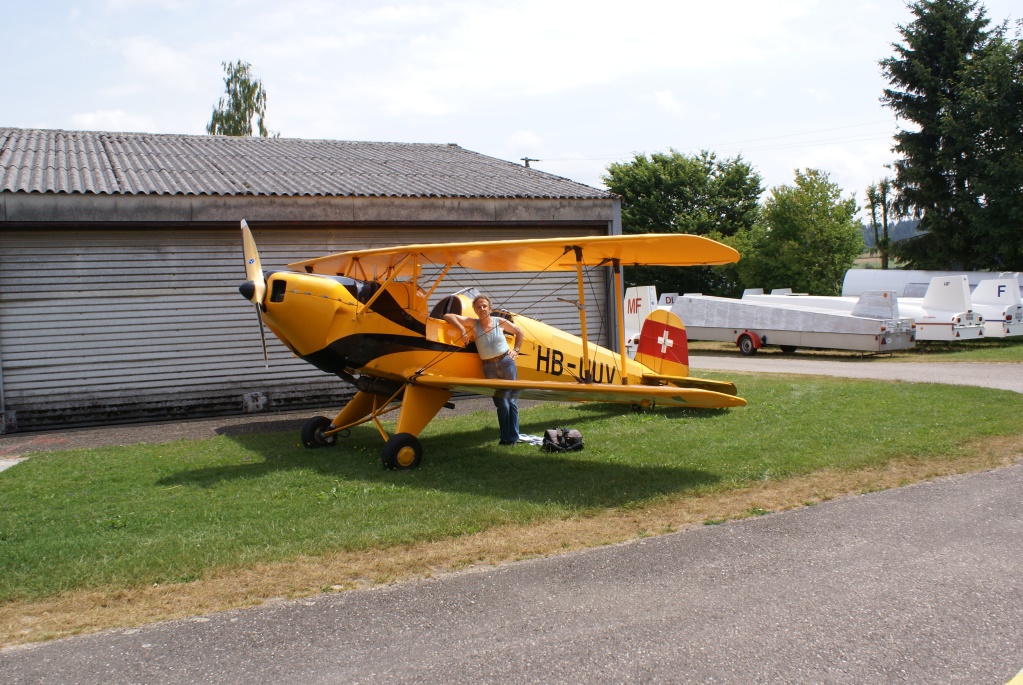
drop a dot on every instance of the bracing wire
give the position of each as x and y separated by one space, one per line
530 282
444 354
605 326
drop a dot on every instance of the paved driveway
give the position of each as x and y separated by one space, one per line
1003 376
916 585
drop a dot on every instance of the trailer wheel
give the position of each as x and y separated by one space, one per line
788 349
747 346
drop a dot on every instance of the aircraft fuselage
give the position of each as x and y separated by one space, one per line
343 325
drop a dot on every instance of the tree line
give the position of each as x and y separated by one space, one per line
956 87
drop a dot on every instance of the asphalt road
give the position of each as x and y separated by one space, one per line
1003 376
918 584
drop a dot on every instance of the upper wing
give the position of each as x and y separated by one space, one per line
547 254
595 392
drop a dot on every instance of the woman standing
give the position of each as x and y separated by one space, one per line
498 359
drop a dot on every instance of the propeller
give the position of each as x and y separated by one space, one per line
254 287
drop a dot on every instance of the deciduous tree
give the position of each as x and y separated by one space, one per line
808 239
882 203
676 193
244 101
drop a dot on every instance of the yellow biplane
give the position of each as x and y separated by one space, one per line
363 315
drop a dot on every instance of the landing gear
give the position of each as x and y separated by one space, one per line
788 349
402 451
313 433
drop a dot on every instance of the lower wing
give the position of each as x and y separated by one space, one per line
644 395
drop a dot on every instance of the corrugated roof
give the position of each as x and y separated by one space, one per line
53 161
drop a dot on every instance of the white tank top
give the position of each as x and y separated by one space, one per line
492 344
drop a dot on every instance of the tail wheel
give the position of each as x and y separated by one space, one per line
313 435
788 349
746 345
402 451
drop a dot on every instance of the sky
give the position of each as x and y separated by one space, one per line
575 85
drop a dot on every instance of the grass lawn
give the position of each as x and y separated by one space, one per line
124 517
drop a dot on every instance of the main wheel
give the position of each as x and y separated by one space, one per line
746 345
313 435
402 451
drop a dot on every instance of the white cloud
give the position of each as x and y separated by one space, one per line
666 100
158 66
115 6
522 144
578 83
112 120
433 59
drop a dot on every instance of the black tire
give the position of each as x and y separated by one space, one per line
313 436
788 349
746 345
403 451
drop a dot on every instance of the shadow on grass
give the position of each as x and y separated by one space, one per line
263 427
596 410
466 462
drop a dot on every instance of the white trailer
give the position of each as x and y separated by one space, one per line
998 300
945 313
908 282
872 324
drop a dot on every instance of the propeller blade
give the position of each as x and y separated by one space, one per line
253 268
254 287
262 336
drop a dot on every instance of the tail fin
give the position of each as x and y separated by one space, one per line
663 345
639 302
1004 291
948 294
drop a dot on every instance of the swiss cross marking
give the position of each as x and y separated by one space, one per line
665 342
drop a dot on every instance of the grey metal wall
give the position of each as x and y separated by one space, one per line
101 325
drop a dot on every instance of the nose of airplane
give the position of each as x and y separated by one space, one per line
254 288
253 268
248 290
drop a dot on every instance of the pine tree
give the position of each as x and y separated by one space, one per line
956 83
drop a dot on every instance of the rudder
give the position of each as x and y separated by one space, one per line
663 345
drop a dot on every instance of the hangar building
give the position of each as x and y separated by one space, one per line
120 260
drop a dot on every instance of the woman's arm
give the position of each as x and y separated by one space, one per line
464 324
512 328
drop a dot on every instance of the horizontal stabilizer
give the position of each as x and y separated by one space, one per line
690 382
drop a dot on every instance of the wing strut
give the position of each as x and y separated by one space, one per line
587 372
383 285
619 296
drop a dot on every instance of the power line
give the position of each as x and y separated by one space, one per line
866 137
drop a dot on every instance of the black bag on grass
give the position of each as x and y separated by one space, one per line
562 440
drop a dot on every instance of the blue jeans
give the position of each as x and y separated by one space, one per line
506 401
